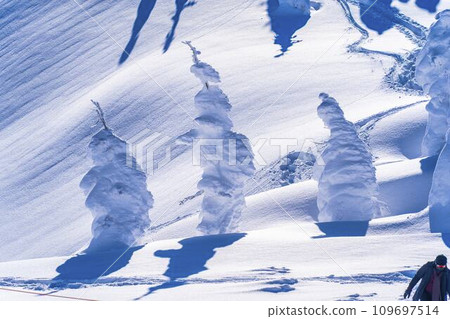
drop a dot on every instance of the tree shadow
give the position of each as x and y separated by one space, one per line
428 164
90 266
446 239
191 258
284 22
180 6
343 228
429 5
377 15
145 8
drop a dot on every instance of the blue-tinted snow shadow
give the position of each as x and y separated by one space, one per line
284 22
90 266
343 228
281 285
143 13
446 239
377 15
398 193
428 164
180 5
429 5
191 258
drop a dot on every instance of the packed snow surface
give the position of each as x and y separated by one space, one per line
274 60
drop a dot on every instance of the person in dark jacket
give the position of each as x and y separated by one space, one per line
435 281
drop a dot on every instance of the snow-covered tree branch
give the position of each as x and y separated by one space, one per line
101 115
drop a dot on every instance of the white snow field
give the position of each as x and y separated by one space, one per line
273 63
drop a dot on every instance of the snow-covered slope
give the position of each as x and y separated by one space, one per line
56 56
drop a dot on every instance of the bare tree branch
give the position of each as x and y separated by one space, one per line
100 113
195 52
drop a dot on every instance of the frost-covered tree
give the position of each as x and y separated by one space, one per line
439 198
223 178
433 74
347 184
117 194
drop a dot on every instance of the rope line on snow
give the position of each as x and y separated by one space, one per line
45 294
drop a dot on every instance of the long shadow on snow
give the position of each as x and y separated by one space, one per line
144 10
191 258
88 267
430 5
180 6
284 22
446 239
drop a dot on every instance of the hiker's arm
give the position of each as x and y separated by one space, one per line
448 283
420 273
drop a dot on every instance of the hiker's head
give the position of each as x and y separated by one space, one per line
440 262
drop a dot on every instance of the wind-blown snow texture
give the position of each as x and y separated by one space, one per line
347 182
117 195
224 176
56 55
433 74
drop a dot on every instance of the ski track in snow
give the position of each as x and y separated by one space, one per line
366 125
410 28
